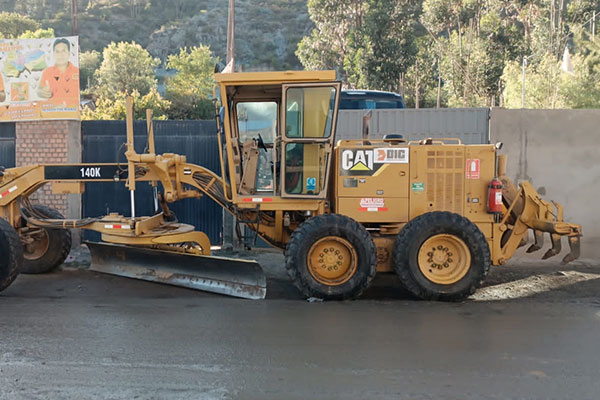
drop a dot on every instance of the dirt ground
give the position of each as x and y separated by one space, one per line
523 277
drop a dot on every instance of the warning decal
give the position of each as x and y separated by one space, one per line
372 204
472 168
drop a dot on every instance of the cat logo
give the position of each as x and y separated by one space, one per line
366 162
357 160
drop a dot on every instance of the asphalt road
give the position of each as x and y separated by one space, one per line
81 335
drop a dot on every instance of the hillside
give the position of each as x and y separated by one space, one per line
267 32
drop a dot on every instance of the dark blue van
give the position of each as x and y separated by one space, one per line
370 100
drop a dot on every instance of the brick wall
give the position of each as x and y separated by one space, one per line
44 142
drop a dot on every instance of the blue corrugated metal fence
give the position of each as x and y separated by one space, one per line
102 142
7 144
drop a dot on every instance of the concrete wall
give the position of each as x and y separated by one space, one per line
559 152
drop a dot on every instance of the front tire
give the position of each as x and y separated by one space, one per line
441 256
49 248
11 250
331 257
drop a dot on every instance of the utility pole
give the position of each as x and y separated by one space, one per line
231 35
74 19
228 220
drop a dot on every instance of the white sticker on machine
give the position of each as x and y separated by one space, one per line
391 155
372 204
367 161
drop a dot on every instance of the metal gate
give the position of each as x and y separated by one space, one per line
7 144
103 141
471 125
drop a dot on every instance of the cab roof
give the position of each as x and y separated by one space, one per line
274 77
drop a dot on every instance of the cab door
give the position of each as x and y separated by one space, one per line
309 117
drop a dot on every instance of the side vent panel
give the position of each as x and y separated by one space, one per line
445 180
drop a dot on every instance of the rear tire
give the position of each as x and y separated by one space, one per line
441 256
11 250
50 250
331 257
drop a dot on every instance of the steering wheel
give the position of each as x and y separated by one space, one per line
261 143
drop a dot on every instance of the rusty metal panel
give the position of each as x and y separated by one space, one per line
471 125
7 144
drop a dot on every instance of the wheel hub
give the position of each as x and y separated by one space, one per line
444 259
37 244
332 260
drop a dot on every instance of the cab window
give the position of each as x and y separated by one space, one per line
258 120
309 112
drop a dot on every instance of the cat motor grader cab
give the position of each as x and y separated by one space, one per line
436 212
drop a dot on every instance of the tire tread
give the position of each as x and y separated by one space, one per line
57 255
306 231
14 256
406 241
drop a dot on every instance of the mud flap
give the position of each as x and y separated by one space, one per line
228 276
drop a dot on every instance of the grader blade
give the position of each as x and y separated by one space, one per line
228 276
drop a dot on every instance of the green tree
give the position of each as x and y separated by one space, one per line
444 16
582 89
420 82
542 84
89 62
333 43
13 25
389 33
38 34
190 89
125 67
115 107
581 12
369 43
464 74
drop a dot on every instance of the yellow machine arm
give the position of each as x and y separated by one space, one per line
524 210
154 248
179 180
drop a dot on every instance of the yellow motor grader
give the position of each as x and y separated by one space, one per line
436 212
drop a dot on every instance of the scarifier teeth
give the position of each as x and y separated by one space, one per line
575 246
523 242
539 241
556 247
549 253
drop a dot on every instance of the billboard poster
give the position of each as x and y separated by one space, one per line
39 79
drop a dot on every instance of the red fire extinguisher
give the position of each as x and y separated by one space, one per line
495 196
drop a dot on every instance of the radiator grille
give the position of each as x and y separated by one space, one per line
445 174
